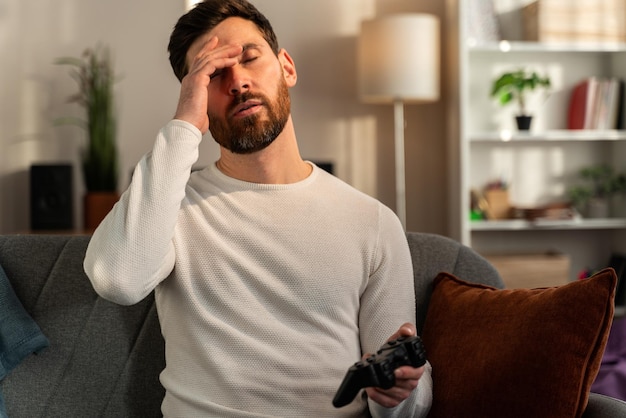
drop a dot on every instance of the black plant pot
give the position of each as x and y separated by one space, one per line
523 122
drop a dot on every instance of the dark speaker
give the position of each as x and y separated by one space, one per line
51 197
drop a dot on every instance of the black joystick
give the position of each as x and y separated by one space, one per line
377 370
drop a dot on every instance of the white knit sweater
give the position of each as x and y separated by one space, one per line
266 294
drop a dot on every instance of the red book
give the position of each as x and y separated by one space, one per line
578 106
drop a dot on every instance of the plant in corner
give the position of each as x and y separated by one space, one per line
513 86
95 77
601 183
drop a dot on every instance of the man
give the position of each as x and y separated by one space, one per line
272 277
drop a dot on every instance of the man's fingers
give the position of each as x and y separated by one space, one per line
211 57
408 374
407 329
388 398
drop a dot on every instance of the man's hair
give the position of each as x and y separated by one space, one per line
204 17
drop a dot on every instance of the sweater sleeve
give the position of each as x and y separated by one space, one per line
387 303
131 251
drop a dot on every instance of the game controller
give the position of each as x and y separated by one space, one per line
378 369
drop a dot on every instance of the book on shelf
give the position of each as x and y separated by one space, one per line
597 103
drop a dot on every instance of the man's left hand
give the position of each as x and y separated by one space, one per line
407 377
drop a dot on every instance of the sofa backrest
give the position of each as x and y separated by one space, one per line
103 360
432 254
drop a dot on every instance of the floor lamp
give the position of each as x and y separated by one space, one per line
398 62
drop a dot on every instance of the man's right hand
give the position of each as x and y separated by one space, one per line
193 100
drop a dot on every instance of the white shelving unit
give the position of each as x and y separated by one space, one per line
540 165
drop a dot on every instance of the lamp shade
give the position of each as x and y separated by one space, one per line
189 4
398 59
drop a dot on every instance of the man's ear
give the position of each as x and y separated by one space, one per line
288 67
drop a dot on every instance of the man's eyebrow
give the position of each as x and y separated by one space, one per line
250 46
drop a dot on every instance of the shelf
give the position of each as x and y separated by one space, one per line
524 225
541 163
561 135
515 46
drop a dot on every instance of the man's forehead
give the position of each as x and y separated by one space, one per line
234 30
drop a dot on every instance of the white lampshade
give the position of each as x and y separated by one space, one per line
398 59
189 4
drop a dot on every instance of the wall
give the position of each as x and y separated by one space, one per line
331 123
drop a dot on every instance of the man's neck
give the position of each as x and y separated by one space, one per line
279 163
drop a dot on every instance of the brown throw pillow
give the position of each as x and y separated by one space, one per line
516 353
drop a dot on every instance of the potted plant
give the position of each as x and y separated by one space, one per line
93 72
601 183
513 87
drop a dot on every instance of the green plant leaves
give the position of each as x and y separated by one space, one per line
512 86
95 78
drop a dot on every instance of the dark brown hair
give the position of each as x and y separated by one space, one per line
204 17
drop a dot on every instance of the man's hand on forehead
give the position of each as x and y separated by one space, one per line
203 64
213 57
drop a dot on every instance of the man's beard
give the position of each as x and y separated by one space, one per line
251 134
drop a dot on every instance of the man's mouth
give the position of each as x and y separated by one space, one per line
246 108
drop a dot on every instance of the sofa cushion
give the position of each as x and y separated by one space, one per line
516 353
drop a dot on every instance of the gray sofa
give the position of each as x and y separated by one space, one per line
104 359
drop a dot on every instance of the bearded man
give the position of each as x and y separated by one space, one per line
271 276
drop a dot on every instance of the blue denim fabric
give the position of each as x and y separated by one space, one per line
3 412
20 336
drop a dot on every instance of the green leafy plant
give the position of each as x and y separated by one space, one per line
93 72
600 181
513 86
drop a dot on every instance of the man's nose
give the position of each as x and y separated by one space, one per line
239 81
